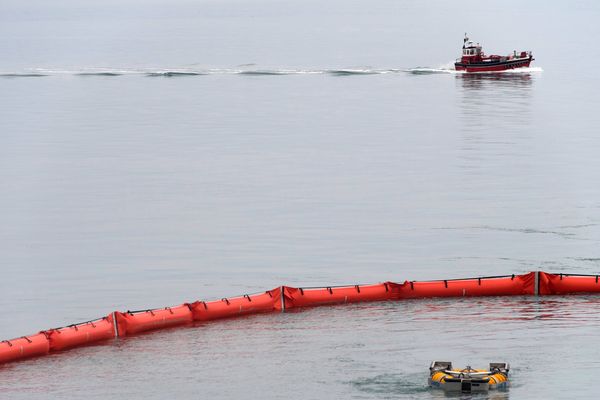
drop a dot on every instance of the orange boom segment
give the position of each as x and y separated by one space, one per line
235 306
490 286
132 322
80 334
565 284
300 297
23 347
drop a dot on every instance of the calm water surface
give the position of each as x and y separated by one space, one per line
157 153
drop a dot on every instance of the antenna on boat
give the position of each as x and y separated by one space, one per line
465 40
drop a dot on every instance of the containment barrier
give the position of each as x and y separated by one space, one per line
236 306
568 283
283 298
81 334
24 347
507 285
307 297
131 322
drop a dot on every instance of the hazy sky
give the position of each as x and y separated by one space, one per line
282 33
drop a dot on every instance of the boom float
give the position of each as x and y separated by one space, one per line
121 324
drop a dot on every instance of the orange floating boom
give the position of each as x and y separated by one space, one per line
24 347
81 334
551 284
236 306
132 322
283 298
512 285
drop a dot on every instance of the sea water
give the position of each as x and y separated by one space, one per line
154 153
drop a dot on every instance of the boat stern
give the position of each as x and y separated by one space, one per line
466 385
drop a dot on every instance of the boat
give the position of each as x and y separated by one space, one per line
473 59
468 380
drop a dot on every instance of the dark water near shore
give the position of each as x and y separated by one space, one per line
167 152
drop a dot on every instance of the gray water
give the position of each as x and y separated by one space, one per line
158 152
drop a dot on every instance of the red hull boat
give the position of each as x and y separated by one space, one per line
474 60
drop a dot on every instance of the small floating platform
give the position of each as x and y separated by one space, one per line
468 380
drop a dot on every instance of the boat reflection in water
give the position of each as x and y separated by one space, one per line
480 80
495 119
501 100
